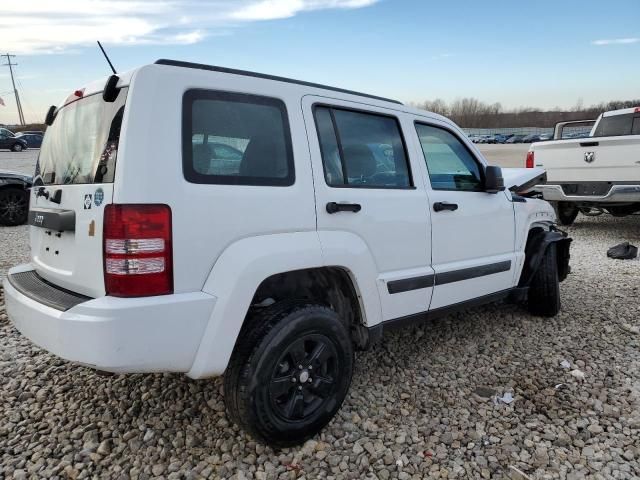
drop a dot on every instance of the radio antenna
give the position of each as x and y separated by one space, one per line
107 57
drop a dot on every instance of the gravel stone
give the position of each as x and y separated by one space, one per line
412 411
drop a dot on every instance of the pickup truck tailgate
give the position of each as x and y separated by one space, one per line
593 159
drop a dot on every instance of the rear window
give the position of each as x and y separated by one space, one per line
616 125
236 139
82 143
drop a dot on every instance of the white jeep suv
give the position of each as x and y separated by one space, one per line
196 219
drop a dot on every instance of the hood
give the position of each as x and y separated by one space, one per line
6 175
520 180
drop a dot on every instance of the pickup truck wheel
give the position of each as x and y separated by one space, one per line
14 207
289 373
566 212
544 291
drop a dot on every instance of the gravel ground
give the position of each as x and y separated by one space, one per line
421 404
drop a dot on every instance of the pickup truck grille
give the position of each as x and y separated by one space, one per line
586 189
36 288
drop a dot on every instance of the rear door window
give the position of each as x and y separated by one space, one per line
236 139
361 149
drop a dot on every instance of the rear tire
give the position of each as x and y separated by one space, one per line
566 212
17 147
544 291
14 207
289 372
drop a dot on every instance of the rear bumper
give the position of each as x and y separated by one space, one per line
122 335
617 194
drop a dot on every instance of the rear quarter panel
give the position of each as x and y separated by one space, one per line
207 219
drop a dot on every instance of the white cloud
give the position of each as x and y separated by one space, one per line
45 26
617 41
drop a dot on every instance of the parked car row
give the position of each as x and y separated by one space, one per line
510 138
17 142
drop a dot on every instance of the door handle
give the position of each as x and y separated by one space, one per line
440 206
334 207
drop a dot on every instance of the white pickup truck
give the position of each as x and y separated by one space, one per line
594 174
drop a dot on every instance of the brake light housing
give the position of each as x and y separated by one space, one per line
530 159
137 250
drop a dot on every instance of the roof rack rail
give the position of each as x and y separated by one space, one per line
213 68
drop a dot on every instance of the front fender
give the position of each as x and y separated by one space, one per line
537 245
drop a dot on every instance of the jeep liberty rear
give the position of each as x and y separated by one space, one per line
72 187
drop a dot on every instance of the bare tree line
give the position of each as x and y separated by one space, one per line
473 113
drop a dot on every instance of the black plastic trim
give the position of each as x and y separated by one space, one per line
36 288
245 73
56 220
537 245
408 284
418 318
426 281
473 272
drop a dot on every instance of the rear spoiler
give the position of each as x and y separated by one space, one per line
559 128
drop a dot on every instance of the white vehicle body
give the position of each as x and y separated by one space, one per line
602 170
403 259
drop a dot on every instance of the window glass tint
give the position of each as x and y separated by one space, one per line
366 151
614 125
236 139
451 166
635 130
81 145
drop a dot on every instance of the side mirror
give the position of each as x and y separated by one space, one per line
493 181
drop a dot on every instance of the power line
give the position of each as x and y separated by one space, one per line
15 90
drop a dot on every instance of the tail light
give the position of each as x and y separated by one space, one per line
530 159
137 250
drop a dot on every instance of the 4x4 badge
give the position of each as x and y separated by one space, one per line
87 201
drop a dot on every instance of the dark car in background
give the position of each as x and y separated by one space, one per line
13 143
533 138
515 139
33 139
14 197
501 138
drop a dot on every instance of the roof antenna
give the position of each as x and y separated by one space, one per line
107 57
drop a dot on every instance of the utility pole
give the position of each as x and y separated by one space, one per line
15 90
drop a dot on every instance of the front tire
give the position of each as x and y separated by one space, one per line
566 212
544 291
17 147
14 207
289 373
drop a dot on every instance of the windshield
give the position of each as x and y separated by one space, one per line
81 144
